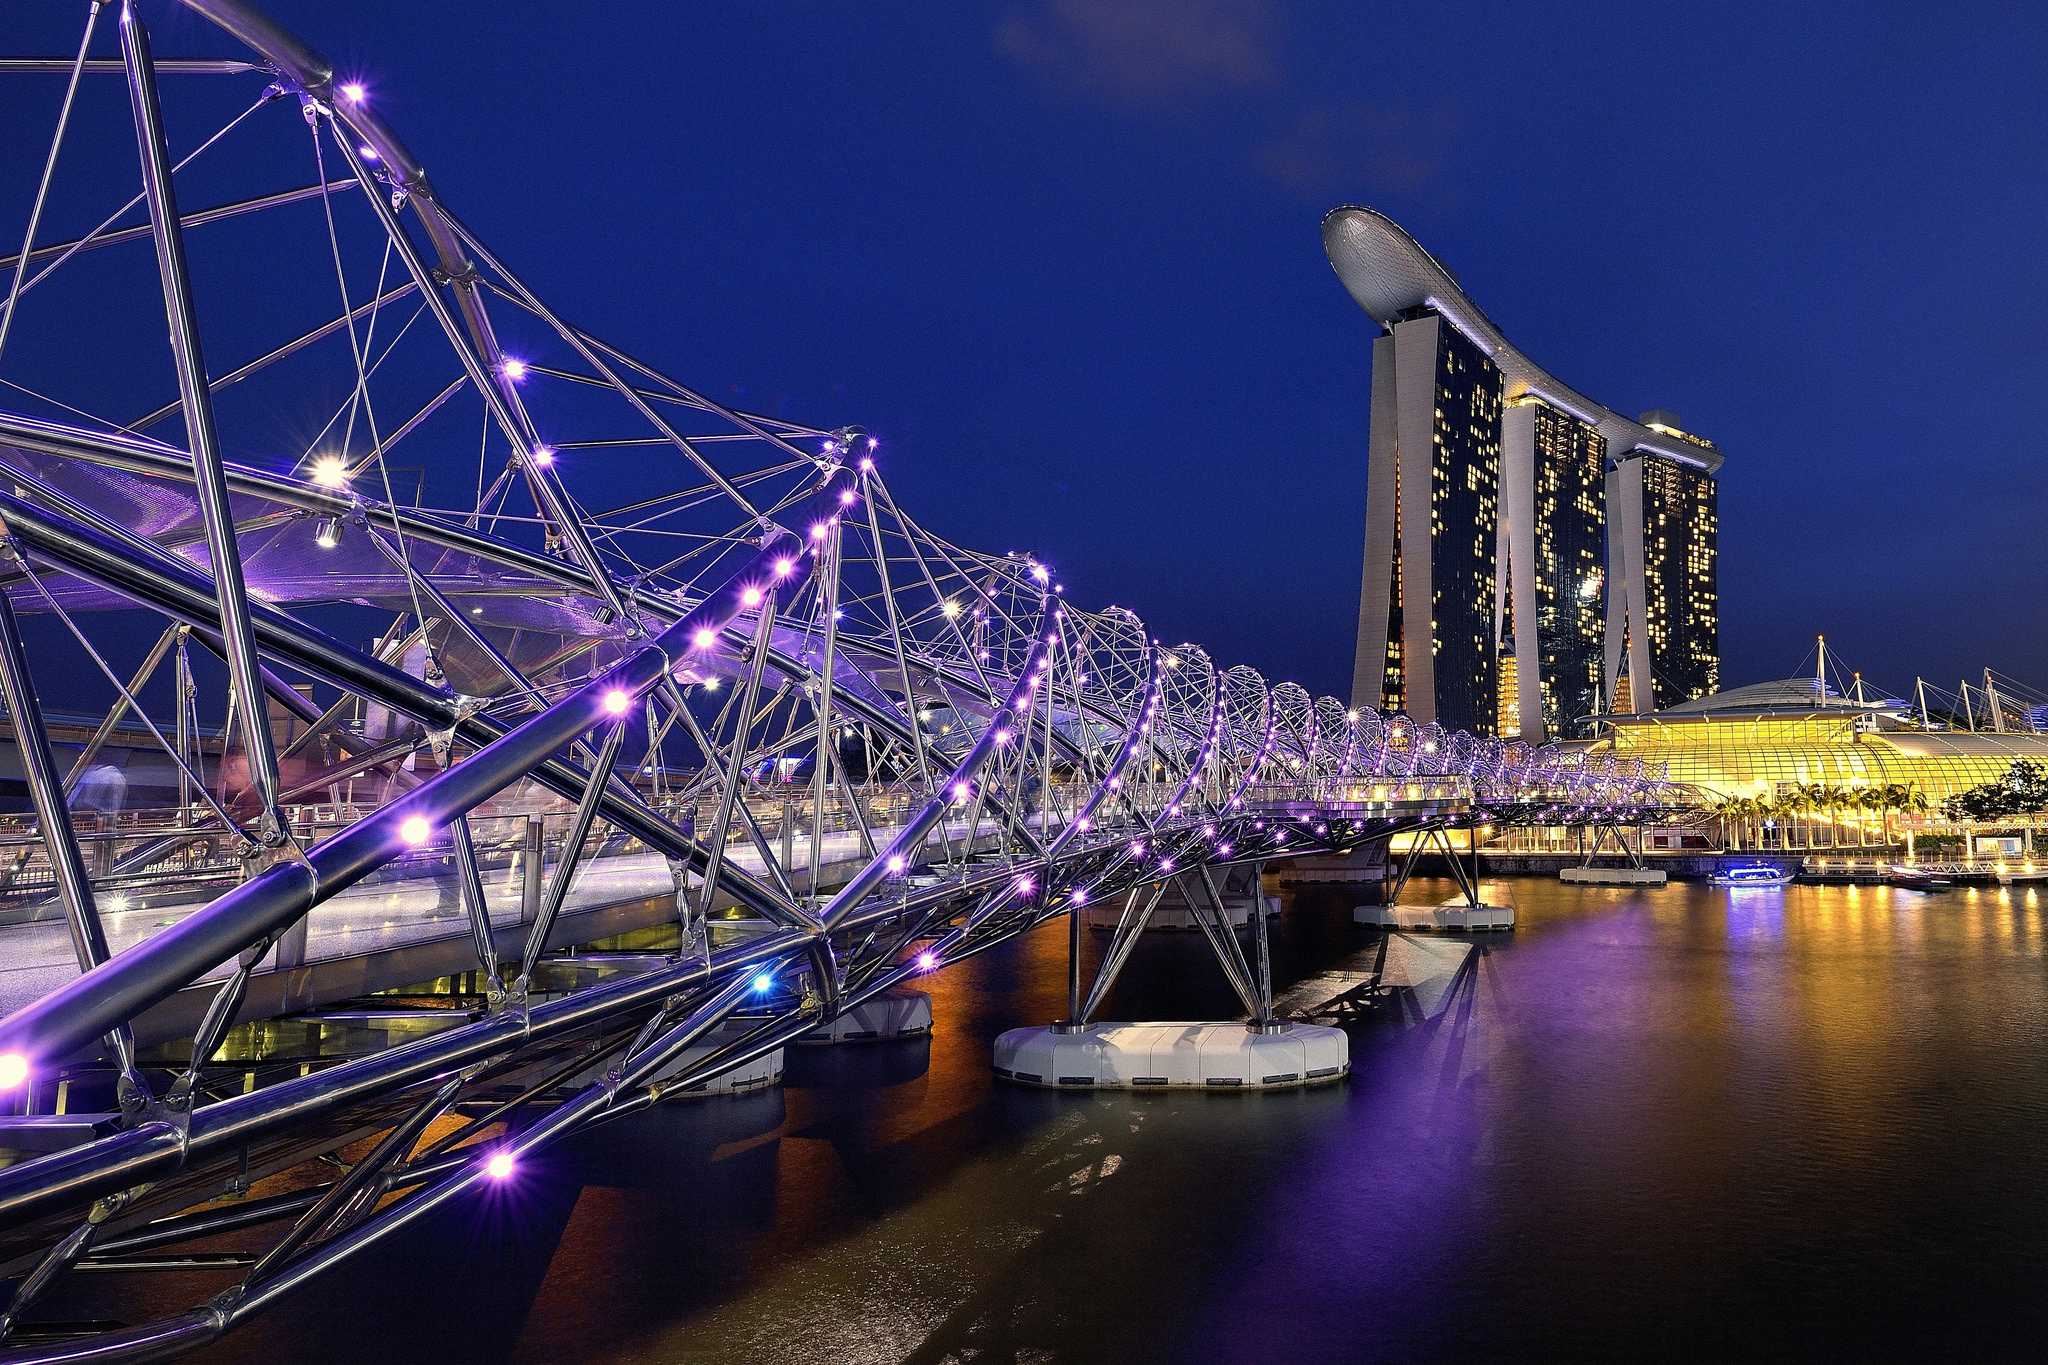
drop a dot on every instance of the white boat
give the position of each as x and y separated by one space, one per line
1756 874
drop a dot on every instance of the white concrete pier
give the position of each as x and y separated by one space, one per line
1612 876
1213 1056
893 1014
1457 916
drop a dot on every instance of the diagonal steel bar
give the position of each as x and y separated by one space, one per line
299 343
120 707
828 568
1128 934
475 328
735 766
572 853
209 482
679 709
395 1144
35 215
473 901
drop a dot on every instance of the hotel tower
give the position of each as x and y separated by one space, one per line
1531 557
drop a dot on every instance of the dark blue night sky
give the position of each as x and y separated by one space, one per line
1063 257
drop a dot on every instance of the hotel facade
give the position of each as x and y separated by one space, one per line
1532 558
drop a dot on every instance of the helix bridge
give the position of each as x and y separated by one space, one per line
504 713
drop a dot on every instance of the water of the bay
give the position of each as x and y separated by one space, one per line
1672 1123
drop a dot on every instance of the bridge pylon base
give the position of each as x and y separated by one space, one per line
1456 916
1224 1055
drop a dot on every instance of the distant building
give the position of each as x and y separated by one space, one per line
1428 608
1556 526
1771 739
1583 543
1680 592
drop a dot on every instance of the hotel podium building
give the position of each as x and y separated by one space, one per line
1532 558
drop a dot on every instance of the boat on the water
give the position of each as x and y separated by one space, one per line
1753 874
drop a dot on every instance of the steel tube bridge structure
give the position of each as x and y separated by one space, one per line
763 705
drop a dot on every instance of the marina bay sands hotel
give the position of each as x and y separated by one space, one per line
1531 557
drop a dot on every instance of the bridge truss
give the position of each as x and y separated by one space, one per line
764 705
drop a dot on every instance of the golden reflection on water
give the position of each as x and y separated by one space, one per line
1808 1122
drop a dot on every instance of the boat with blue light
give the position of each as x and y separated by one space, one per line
1752 874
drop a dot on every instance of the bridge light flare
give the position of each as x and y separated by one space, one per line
1080 895
750 597
617 700
763 982
846 497
415 830
818 531
515 370
784 567
330 471
927 961
352 92
704 639
895 864
501 1166
13 1070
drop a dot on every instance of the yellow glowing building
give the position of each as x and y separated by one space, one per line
1765 740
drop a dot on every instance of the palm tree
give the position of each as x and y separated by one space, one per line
1909 798
1752 814
1798 802
1778 810
1878 800
1834 798
1884 799
1726 811
1862 800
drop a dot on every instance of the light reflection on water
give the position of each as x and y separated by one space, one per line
1672 1122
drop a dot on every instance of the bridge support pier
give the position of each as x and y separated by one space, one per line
1466 911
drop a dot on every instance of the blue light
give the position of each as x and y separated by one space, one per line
763 982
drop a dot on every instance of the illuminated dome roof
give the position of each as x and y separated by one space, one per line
1786 694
